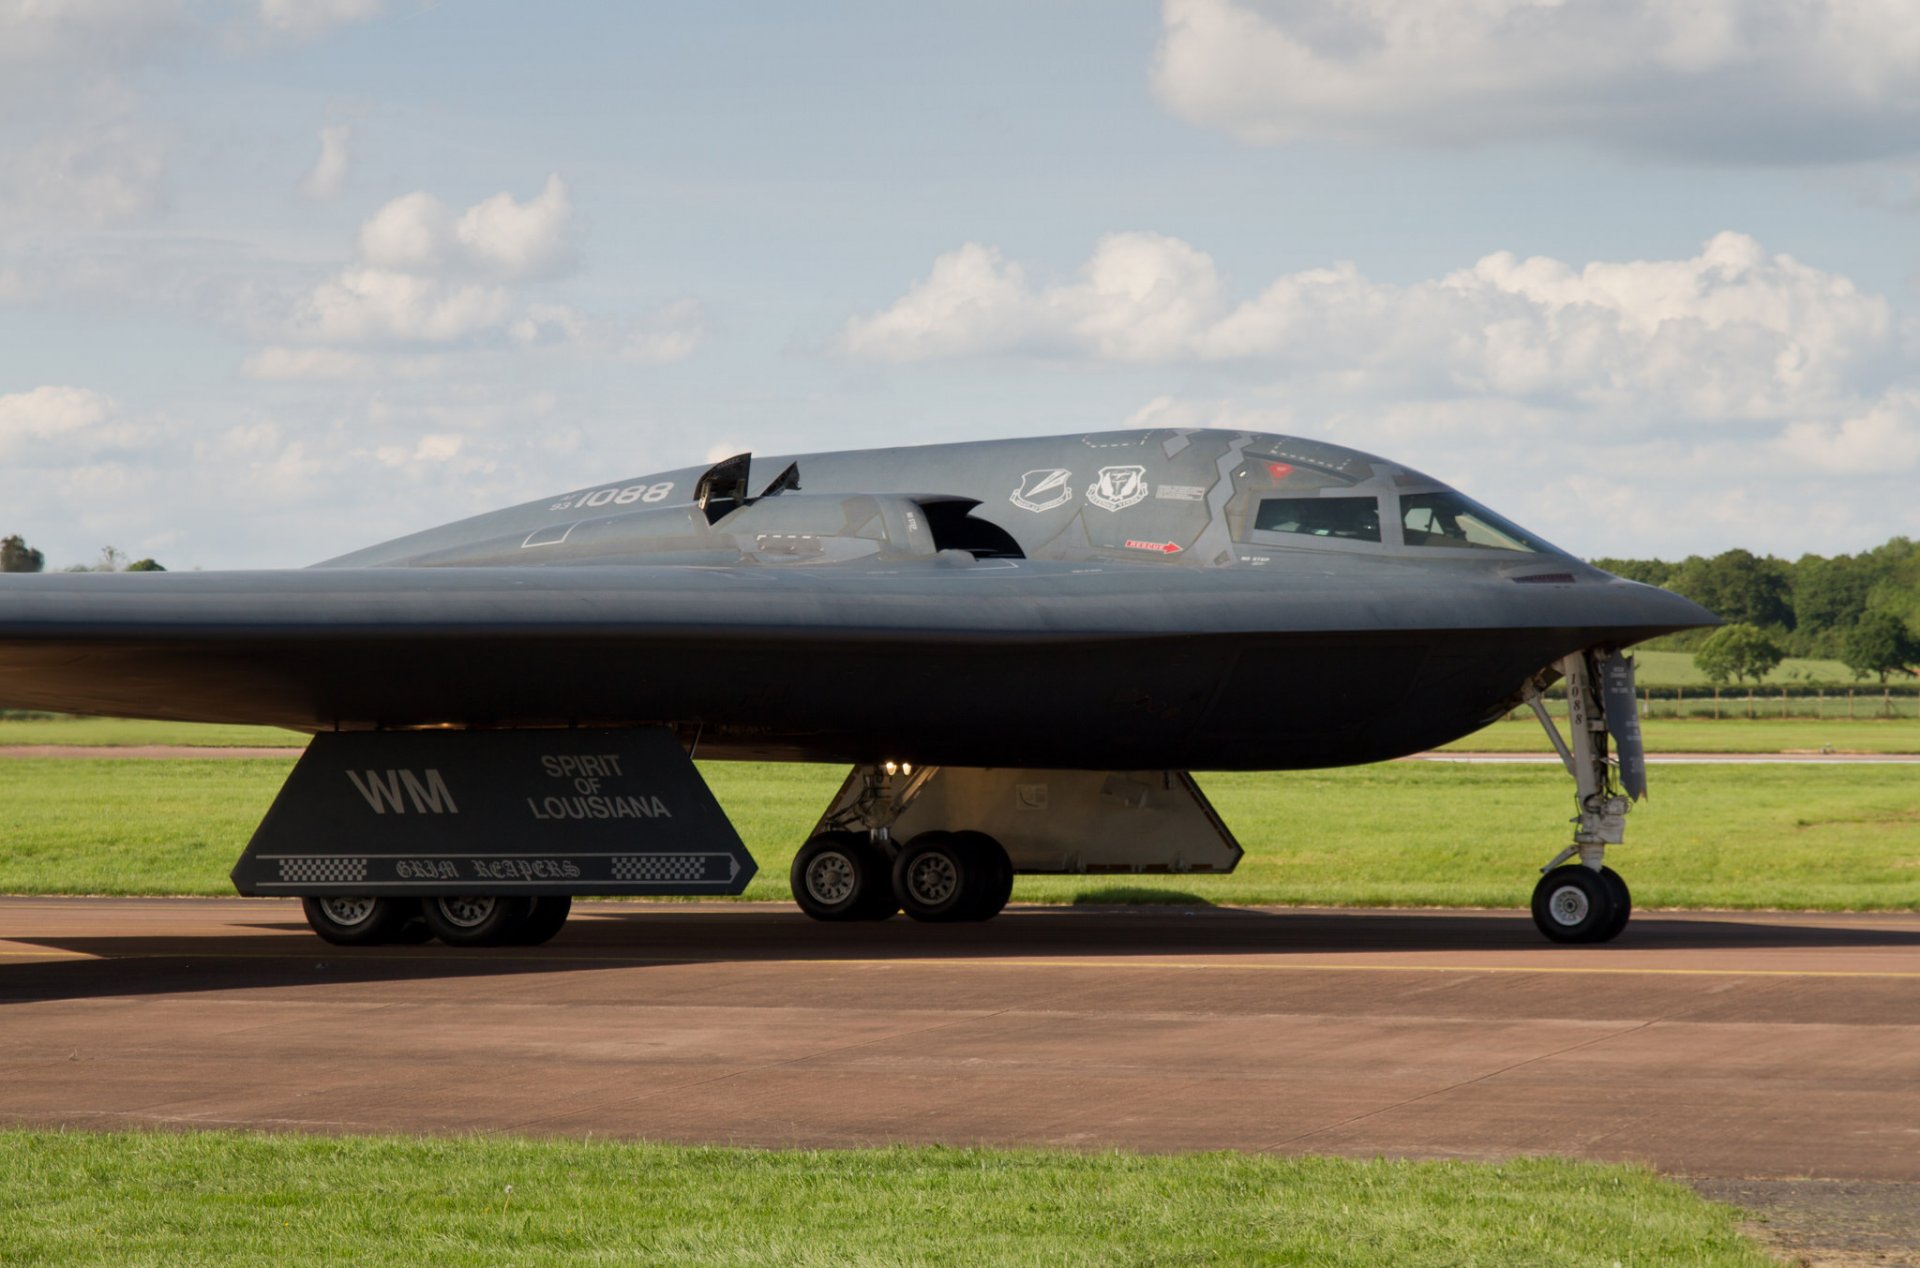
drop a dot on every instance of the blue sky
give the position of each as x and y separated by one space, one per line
281 278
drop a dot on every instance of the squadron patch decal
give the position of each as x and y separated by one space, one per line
1043 490
1117 488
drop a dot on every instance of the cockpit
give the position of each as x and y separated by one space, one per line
1304 494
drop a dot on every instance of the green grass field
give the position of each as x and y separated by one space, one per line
1676 669
124 732
1812 837
220 1198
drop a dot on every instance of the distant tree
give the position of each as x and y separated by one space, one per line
113 559
1830 594
1653 572
1880 644
17 556
1737 652
1740 587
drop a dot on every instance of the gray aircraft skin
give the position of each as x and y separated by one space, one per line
1122 600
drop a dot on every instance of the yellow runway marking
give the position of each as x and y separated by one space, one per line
934 962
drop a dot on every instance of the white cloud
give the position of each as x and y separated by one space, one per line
329 172
1883 440
497 238
1732 332
49 412
672 332
57 423
516 240
306 19
1613 406
1713 80
371 305
426 275
65 44
85 175
410 233
82 149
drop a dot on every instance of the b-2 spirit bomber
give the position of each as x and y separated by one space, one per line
1020 647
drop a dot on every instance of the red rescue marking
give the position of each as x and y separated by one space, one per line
1165 548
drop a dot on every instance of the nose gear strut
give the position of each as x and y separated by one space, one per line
1588 901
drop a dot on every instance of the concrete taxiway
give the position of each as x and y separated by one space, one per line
1753 1045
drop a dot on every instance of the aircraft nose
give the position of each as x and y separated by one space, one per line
1661 611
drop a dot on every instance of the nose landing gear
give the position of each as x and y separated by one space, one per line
1587 901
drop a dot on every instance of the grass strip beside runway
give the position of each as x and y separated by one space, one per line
128 732
185 1198
1803 837
1725 735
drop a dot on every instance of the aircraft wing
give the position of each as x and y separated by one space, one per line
532 645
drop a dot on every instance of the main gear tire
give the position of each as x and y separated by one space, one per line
360 921
840 876
941 877
549 914
476 920
996 884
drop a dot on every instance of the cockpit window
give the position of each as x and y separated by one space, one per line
1354 519
1451 519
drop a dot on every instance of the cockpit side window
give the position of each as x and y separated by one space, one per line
1454 520
1351 518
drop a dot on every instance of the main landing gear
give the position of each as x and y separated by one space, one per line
468 920
936 877
853 869
1587 901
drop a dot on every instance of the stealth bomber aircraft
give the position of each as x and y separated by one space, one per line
1019 647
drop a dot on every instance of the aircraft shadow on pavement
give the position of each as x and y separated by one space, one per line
147 963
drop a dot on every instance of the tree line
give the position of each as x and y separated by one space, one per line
1862 610
17 556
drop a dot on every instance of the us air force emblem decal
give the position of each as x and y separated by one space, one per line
1043 490
1118 488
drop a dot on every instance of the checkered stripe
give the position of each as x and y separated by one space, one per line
659 867
311 871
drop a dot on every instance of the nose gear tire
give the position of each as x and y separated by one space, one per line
1623 902
1577 904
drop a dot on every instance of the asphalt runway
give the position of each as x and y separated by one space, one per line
1753 1046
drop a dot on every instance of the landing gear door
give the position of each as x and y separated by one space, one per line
387 813
1620 705
1050 821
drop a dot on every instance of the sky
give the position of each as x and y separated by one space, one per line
282 278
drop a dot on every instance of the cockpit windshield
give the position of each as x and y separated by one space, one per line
1454 520
1353 518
